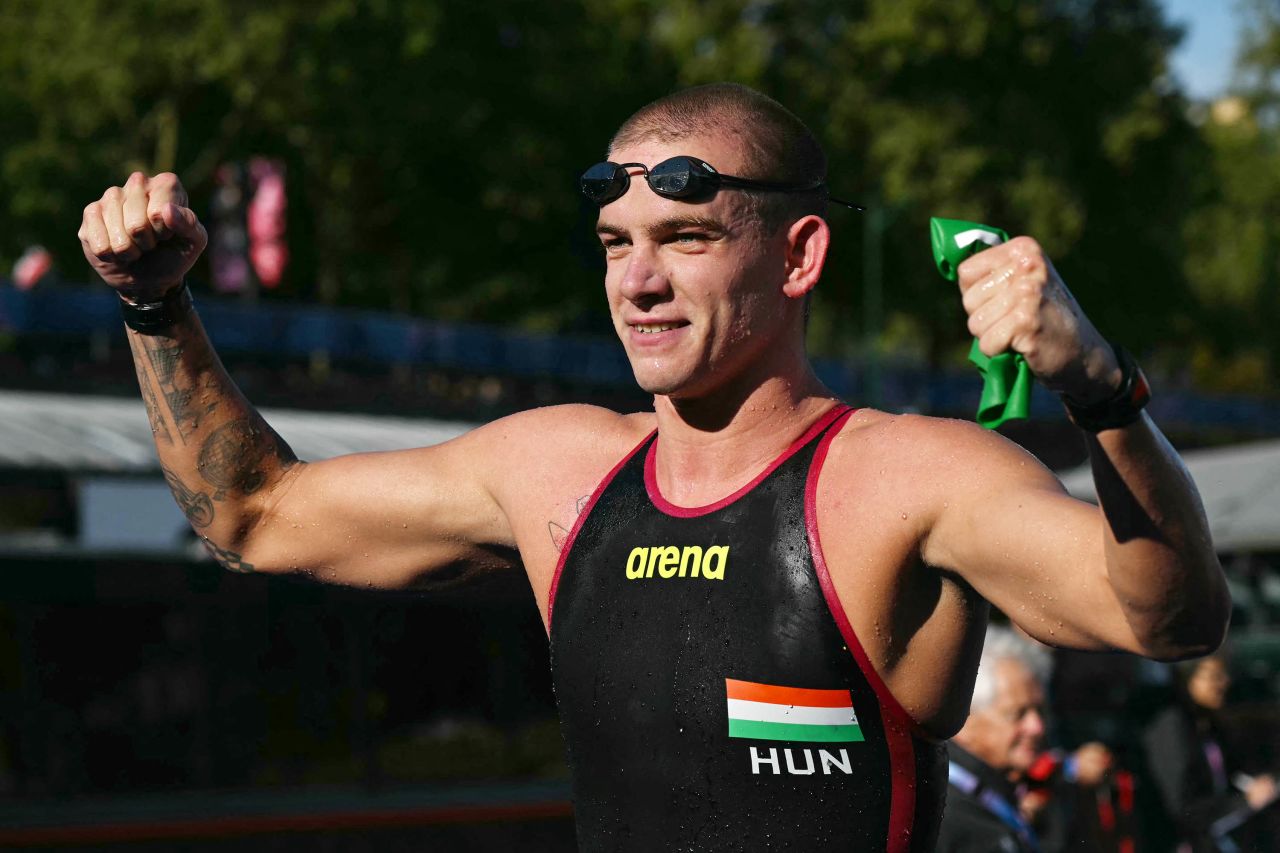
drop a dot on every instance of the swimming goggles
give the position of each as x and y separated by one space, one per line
681 177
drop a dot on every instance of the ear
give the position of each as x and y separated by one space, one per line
807 241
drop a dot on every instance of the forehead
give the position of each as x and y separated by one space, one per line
1016 685
725 152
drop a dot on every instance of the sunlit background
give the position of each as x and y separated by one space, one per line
398 253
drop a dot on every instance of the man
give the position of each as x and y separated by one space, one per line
764 608
995 748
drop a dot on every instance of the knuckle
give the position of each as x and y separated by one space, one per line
1027 321
1025 246
110 194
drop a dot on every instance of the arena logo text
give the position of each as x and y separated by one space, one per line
671 561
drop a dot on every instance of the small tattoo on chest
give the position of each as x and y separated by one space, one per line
559 533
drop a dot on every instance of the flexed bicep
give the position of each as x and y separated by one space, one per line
391 519
1010 530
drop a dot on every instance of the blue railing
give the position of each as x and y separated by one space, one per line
296 330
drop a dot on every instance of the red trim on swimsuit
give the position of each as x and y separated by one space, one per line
665 506
898 724
577 525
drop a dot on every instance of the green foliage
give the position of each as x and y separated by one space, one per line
432 147
1233 233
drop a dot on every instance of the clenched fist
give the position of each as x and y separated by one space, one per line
1017 302
142 238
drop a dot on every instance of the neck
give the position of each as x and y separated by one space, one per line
989 773
713 444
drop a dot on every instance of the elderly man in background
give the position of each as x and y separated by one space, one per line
997 745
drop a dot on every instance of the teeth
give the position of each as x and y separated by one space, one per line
652 328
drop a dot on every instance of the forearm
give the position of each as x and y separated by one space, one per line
220 458
1160 557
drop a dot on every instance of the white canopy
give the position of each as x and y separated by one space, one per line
1240 486
106 435
101 435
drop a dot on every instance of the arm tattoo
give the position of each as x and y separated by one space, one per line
195 505
164 356
229 560
236 455
159 428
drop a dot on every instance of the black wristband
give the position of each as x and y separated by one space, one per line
152 318
1121 408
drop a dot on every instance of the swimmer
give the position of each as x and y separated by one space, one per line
765 606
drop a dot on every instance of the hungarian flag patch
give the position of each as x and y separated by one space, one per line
772 712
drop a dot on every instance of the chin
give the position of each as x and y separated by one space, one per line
658 386
657 379
1020 763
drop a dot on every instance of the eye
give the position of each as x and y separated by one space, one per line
612 245
690 237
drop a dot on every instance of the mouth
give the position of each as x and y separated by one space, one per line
655 328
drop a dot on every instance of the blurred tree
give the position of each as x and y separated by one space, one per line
1054 118
1233 235
432 147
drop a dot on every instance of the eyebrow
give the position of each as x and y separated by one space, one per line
667 226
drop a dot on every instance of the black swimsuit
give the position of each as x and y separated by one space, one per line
712 694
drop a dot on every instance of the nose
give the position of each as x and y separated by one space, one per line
1033 724
643 279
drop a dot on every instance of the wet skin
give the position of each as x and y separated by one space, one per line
921 520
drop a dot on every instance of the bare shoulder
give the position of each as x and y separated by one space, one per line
889 484
543 466
915 468
543 460
564 437
928 454
571 422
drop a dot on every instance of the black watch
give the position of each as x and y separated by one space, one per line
1121 408
152 318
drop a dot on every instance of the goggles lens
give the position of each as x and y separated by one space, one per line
604 182
680 177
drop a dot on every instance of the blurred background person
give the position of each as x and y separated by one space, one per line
1211 804
996 747
1083 800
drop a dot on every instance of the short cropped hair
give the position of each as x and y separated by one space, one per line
1004 644
777 145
